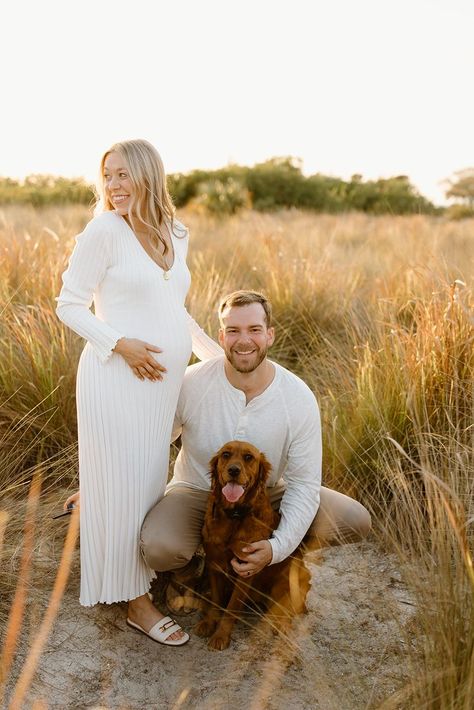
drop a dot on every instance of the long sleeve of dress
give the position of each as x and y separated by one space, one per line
204 347
87 267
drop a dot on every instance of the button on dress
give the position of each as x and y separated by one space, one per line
124 424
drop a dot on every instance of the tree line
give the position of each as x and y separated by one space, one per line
274 184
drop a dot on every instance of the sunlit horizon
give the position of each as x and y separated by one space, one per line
91 179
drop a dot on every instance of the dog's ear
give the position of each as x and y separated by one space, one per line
213 469
264 469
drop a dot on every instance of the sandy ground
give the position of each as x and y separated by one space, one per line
348 652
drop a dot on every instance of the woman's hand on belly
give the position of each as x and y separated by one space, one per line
137 354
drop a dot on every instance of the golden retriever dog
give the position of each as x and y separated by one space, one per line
239 513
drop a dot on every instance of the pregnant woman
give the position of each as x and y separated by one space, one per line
131 262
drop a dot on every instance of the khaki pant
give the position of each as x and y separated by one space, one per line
171 531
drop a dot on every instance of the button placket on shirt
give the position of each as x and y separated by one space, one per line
242 422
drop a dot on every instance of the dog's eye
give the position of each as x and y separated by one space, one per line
248 457
226 454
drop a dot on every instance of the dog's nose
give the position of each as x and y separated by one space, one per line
233 470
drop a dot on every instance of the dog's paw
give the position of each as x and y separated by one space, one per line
205 627
219 641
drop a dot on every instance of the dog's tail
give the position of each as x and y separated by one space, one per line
299 583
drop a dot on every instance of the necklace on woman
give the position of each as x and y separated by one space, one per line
164 267
145 238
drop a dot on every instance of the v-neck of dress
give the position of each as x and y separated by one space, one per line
144 251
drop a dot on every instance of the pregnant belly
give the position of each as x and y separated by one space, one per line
176 348
114 374
167 331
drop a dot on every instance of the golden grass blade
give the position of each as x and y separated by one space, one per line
3 524
459 530
181 699
18 605
37 646
455 517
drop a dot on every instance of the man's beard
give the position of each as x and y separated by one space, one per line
257 358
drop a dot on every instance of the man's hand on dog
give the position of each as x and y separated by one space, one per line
254 557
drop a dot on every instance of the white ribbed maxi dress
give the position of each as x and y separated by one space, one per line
124 424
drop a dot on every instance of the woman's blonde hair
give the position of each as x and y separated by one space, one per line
152 202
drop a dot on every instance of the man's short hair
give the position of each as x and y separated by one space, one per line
245 298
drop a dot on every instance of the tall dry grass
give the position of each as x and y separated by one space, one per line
376 314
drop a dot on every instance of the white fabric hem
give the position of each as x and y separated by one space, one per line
118 601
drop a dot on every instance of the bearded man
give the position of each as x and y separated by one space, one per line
242 395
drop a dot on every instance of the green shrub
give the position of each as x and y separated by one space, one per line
275 183
43 190
222 198
459 211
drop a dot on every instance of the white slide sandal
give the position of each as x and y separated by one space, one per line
162 630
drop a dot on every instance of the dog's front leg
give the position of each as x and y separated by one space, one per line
221 636
214 607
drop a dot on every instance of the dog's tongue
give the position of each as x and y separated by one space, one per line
232 491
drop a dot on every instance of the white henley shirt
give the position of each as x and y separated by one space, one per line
283 422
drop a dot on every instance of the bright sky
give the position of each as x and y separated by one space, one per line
377 87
